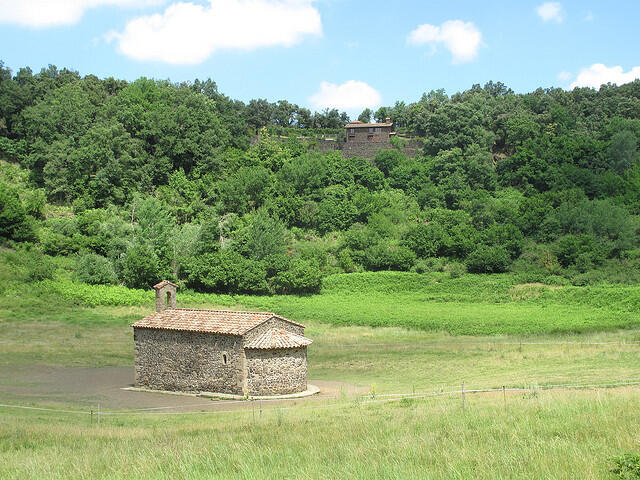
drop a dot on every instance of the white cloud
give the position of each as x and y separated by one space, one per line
564 76
462 39
550 12
599 74
49 13
589 17
351 95
187 33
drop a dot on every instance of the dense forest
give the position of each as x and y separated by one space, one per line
138 181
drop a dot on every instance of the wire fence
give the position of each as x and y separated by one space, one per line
75 342
448 344
365 399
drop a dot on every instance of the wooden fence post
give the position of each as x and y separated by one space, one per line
463 399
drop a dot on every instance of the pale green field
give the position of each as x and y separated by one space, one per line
545 435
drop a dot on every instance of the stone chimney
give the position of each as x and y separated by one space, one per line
388 119
165 295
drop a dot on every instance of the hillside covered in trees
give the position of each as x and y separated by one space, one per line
134 182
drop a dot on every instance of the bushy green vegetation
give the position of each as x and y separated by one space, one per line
144 180
460 305
627 467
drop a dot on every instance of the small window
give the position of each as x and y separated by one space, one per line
371 129
225 359
352 130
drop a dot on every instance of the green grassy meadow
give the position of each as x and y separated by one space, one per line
386 332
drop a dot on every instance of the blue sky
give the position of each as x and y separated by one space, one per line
330 53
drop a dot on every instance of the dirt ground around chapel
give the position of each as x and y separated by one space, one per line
104 386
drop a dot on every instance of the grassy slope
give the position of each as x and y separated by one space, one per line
470 305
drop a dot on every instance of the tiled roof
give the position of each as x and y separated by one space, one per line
363 125
158 286
229 322
277 338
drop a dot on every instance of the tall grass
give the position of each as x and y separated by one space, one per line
549 435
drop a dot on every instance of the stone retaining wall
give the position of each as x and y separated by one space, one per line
366 150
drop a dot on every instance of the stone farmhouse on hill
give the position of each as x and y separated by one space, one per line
358 132
221 351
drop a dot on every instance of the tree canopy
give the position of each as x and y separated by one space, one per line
150 179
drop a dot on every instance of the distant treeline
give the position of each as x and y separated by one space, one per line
146 180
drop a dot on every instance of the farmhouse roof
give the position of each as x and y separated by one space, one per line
228 322
358 124
158 286
277 338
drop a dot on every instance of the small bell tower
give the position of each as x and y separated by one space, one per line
165 295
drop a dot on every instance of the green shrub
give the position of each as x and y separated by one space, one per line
249 276
421 266
627 467
581 250
15 223
303 276
389 257
276 263
226 271
95 269
140 268
427 240
25 265
488 259
387 160
455 269
54 243
39 267
507 236
431 264
346 261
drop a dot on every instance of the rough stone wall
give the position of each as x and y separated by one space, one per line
366 150
255 332
188 361
272 372
363 135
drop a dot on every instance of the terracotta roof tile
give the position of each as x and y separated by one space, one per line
158 286
363 125
277 338
229 322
